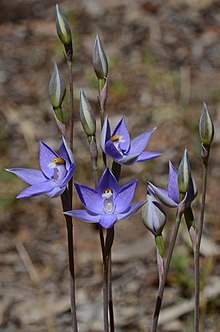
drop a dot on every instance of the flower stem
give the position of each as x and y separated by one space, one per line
69 222
116 170
72 116
66 206
160 256
105 293
205 157
106 281
101 104
166 269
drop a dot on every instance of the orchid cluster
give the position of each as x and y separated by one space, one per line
109 202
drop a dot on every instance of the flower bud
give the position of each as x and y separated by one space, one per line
57 88
206 128
64 32
153 216
100 63
184 174
87 116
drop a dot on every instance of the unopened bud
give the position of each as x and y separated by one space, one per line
153 216
100 63
64 32
184 174
57 88
87 116
206 127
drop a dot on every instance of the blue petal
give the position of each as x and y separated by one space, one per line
56 191
162 195
66 153
130 211
145 156
122 130
128 159
173 189
47 156
90 198
124 197
37 190
83 215
112 151
105 133
108 181
140 142
29 175
68 176
107 220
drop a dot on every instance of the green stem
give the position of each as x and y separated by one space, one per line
199 238
166 269
59 113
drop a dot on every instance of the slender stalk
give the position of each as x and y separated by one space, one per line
205 156
166 269
116 170
94 159
160 256
110 300
105 293
72 115
106 280
101 104
66 206
70 71
69 222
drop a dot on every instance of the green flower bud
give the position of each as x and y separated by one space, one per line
64 32
153 216
100 63
184 174
87 116
206 127
57 88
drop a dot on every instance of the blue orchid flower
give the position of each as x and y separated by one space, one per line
56 171
107 203
121 148
171 197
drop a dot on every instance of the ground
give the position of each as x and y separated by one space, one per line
163 64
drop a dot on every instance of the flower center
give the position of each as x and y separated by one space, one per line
56 162
59 161
115 138
108 203
59 169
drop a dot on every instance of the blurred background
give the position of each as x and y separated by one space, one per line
164 62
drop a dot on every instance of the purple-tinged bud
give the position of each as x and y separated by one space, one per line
184 174
64 32
57 88
100 63
206 127
153 216
87 116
